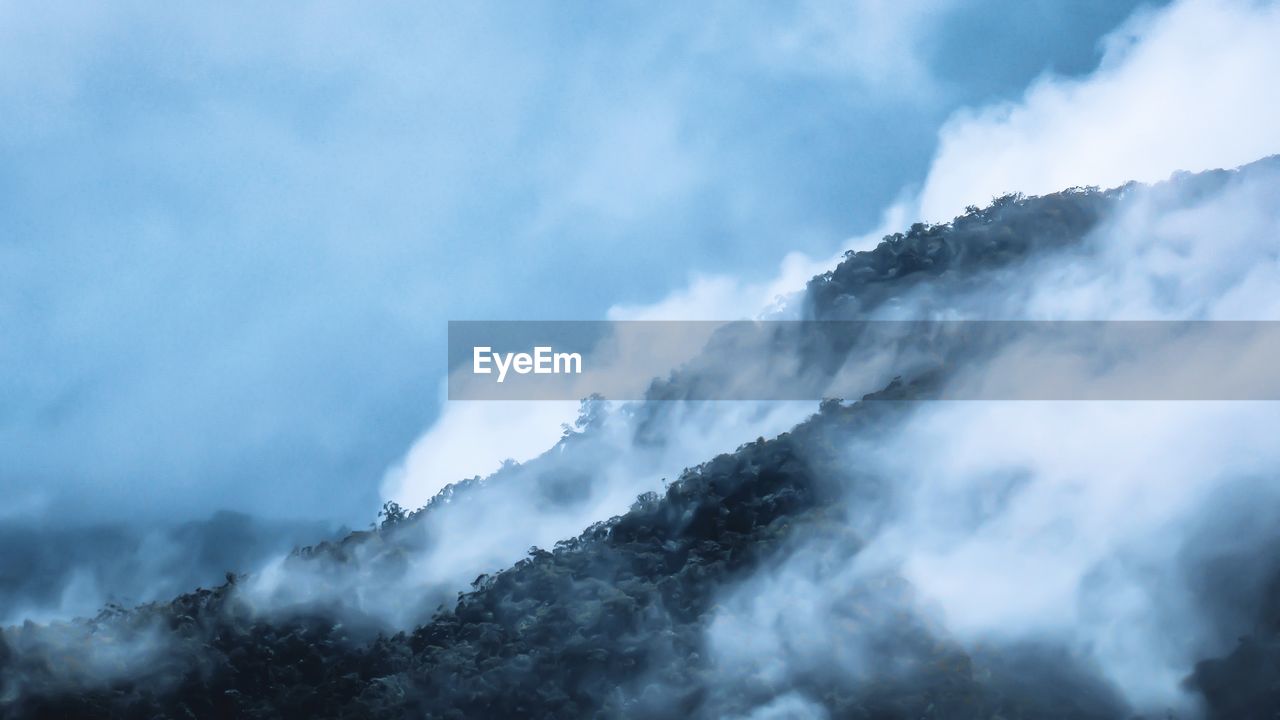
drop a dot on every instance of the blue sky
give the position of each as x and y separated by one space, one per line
230 237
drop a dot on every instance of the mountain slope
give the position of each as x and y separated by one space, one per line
614 622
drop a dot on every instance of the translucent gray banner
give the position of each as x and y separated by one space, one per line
812 360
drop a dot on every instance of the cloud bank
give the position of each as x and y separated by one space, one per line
1184 89
231 236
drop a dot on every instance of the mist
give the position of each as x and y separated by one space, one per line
1040 544
1089 530
75 571
1096 551
231 240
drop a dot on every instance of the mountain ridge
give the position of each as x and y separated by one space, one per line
612 622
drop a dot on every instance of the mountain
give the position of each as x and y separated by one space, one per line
615 621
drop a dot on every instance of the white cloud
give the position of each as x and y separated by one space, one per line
1186 89
474 438
876 43
1073 522
724 297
